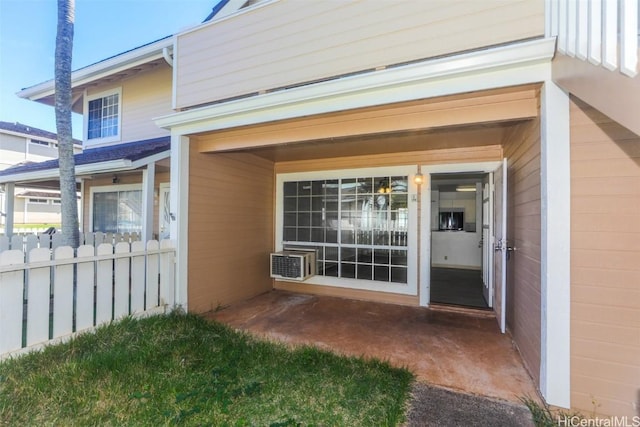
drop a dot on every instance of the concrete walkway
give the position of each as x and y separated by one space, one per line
456 350
434 407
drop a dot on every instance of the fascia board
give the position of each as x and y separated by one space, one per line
151 159
101 69
111 166
391 81
230 11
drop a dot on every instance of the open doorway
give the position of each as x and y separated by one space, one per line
458 255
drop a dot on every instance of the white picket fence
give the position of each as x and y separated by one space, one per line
25 230
27 242
50 295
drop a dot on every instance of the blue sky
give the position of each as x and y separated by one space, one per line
103 28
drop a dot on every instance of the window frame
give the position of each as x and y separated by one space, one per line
37 201
409 288
93 97
41 143
110 189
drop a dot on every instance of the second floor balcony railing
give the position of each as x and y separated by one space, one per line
603 32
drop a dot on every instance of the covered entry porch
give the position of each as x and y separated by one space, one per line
461 350
233 207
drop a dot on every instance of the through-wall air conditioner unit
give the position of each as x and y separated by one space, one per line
293 264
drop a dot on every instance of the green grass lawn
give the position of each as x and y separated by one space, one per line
183 370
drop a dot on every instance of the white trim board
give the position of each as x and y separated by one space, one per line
555 277
179 227
510 65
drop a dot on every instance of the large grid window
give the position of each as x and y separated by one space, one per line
103 117
358 225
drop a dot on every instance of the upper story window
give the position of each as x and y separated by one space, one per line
102 116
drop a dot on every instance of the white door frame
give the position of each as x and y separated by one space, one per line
425 216
163 187
487 240
500 244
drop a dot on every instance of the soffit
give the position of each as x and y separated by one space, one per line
117 77
409 120
433 139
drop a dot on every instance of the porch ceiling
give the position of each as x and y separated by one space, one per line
433 139
405 126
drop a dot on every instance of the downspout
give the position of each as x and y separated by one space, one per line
167 56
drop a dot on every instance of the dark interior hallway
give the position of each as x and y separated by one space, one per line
457 287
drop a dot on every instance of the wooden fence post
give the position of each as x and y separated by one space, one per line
104 285
11 294
121 282
38 297
85 288
63 293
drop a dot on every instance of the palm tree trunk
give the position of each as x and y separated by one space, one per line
63 55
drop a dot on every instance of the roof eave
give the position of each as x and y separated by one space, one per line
87 169
101 69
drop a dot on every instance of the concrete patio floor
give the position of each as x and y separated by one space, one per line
459 350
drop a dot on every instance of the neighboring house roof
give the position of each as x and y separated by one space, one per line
40 194
111 158
31 131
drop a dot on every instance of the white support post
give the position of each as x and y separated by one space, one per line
81 207
9 199
148 183
179 202
555 283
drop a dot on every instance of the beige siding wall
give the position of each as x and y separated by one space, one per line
35 213
230 227
288 42
144 96
605 264
15 149
522 149
131 178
